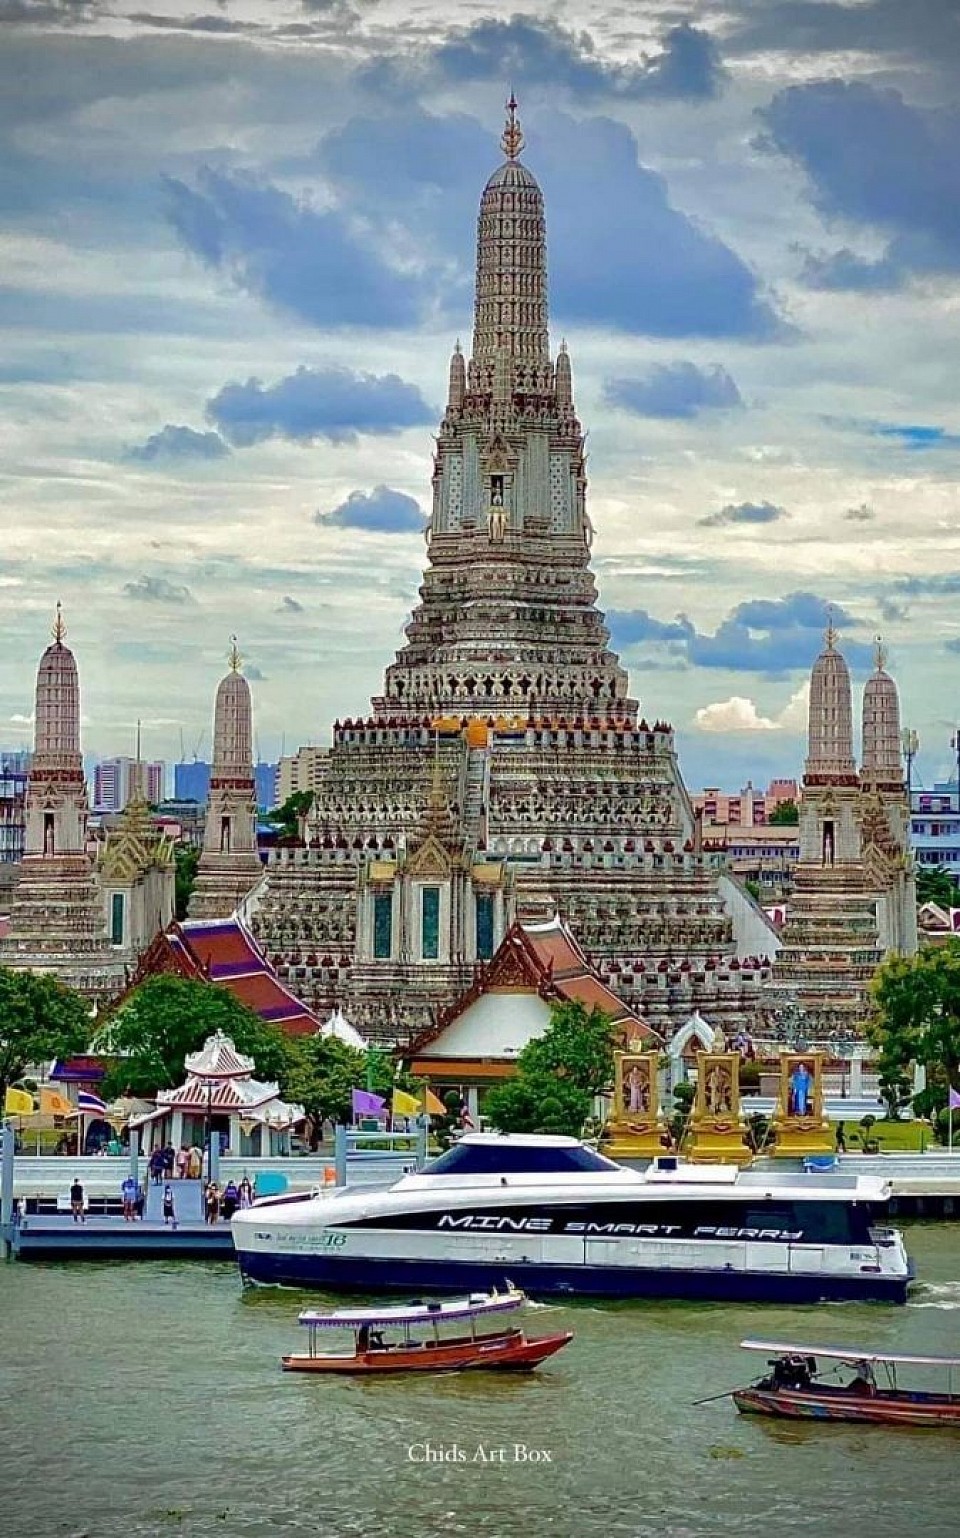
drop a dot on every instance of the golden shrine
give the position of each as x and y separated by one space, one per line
636 1128
799 1125
717 1133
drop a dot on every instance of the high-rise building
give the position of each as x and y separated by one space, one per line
265 780
504 771
191 782
113 780
14 769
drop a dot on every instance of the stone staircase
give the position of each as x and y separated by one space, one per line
474 801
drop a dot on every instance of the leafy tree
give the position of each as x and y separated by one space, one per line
538 1103
40 1019
576 1046
916 1019
785 814
320 1074
936 886
166 1019
288 817
187 858
558 1074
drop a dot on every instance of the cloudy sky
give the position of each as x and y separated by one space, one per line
237 246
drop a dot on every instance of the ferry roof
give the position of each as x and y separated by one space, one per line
849 1354
417 1313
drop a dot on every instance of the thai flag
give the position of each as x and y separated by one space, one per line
90 1105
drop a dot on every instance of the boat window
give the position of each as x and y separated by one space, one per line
517 1159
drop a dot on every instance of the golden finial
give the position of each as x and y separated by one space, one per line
831 635
235 658
879 654
511 141
59 628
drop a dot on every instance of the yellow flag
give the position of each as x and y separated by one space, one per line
432 1105
52 1103
18 1103
404 1104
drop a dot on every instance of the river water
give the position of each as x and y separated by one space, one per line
146 1398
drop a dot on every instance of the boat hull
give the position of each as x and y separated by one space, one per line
368 1274
514 1354
879 1409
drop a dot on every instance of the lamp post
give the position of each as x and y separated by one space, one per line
910 743
955 744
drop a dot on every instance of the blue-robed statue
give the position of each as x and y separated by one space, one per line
801 1088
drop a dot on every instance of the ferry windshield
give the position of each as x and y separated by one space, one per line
517 1159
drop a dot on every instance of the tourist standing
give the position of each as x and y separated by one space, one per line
169 1210
169 1159
156 1166
76 1201
183 1162
212 1202
128 1193
195 1167
245 1191
230 1200
841 1136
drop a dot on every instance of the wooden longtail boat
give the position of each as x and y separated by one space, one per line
418 1345
797 1387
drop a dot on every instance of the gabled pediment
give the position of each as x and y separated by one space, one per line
431 859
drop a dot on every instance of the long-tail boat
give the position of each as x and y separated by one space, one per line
855 1385
409 1338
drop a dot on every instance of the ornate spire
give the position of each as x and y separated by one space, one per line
511 140
59 628
510 312
830 634
879 654
882 746
830 721
234 655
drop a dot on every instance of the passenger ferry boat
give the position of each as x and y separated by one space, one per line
559 1218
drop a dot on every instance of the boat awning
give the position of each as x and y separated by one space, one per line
414 1313
849 1354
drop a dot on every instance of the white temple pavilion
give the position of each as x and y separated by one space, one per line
339 1027
221 1094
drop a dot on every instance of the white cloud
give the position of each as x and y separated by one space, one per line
738 714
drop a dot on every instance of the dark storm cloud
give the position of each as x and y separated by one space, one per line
305 261
907 29
335 403
620 255
680 390
288 605
743 512
43 12
158 590
174 443
873 158
762 635
541 52
382 511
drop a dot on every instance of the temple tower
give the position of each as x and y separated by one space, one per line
503 772
831 942
56 921
885 813
229 865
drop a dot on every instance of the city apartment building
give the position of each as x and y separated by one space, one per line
113 780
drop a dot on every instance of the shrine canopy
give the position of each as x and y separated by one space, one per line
338 1028
220 1091
478 1040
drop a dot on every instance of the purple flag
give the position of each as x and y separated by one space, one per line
954 1101
365 1103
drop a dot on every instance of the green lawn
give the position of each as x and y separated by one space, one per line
893 1136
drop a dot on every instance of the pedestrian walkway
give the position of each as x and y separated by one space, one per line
187 1201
